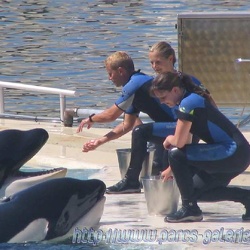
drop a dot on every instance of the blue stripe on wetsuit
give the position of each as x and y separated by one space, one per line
206 125
163 129
210 152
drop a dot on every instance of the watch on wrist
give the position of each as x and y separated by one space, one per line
90 117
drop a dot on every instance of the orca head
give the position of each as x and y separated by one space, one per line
84 197
17 147
50 209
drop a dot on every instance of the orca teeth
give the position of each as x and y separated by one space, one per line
37 173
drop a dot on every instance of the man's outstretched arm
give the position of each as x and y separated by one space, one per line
121 129
108 115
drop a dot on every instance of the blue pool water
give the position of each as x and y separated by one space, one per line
63 44
86 247
82 174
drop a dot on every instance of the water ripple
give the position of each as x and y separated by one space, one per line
63 44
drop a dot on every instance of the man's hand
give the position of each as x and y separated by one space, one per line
83 123
91 145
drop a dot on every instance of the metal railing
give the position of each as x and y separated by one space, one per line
77 114
242 60
47 90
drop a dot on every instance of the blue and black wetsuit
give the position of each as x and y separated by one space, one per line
135 99
204 170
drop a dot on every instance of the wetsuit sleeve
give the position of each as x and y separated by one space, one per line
184 116
126 99
188 105
132 111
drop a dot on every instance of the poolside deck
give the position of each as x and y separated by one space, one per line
222 226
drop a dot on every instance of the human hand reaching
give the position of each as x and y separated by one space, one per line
91 145
167 174
83 123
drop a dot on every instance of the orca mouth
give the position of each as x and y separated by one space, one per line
37 173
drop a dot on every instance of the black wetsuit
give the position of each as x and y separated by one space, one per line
204 170
135 98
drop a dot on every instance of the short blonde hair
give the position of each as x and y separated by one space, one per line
120 59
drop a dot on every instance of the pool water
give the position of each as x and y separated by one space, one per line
29 246
82 174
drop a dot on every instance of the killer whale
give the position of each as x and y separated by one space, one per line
51 210
16 148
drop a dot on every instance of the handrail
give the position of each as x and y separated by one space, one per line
69 115
61 92
239 60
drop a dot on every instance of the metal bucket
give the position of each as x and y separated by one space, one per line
162 197
124 156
